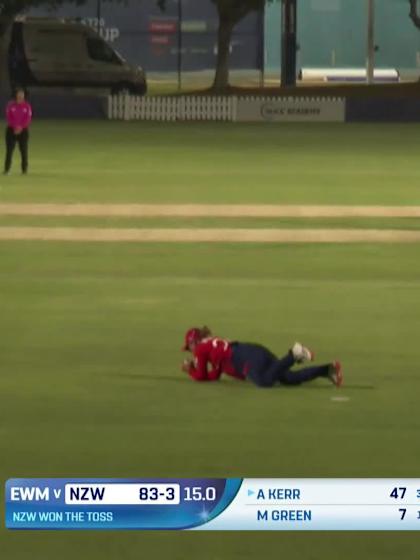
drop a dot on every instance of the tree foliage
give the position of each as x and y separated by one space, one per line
233 10
414 15
10 8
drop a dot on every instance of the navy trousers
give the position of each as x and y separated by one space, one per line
11 140
265 369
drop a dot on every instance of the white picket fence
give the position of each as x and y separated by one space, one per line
224 108
172 108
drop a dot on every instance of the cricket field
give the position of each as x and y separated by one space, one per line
124 235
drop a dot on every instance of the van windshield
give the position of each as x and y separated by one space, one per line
99 50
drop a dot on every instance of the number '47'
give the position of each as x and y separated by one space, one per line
398 493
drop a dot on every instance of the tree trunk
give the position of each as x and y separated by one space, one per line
288 43
7 15
224 35
6 21
414 14
4 25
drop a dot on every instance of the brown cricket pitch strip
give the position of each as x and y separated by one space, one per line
201 235
209 210
260 235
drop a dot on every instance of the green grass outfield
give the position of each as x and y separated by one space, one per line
90 333
219 163
408 224
90 383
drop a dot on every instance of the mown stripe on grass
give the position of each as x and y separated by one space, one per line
209 223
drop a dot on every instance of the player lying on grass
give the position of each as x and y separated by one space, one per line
213 356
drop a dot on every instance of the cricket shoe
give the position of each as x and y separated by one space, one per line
301 353
336 374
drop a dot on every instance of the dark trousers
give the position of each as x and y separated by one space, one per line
22 141
265 369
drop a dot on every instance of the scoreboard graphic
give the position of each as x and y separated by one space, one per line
232 504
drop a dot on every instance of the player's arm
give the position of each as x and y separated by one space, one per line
197 369
28 117
214 374
8 112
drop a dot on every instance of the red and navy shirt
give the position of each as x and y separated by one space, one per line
212 357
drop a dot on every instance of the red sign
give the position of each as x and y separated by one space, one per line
163 27
159 40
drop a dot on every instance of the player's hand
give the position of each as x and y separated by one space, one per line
18 131
186 365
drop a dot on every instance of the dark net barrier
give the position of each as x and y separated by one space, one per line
382 110
65 106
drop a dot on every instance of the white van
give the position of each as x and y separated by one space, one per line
52 52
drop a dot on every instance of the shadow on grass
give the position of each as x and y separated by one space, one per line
235 384
329 388
183 378
143 377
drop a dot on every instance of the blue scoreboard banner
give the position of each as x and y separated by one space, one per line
233 504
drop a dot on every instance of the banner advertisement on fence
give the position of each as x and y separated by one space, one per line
291 110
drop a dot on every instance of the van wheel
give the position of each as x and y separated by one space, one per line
141 89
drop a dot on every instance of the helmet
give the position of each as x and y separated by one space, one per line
192 335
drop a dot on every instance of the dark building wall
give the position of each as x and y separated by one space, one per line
148 37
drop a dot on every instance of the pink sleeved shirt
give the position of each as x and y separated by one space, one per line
18 115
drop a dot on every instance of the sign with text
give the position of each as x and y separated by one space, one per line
291 109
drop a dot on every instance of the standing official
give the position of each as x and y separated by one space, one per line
19 117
